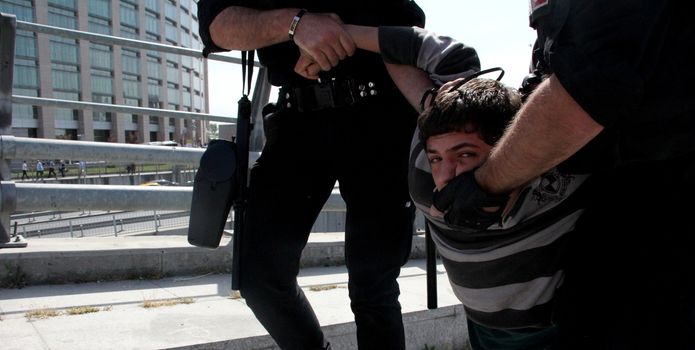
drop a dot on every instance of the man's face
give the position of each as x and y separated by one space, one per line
454 153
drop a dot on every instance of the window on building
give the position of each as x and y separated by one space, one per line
101 56
173 72
130 32
153 136
25 132
129 15
153 66
171 32
152 5
100 8
25 44
25 74
130 61
62 17
64 50
152 24
99 116
131 89
102 135
100 25
23 111
170 11
70 4
66 134
131 136
65 77
100 16
65 113
23 9
102 82
153 92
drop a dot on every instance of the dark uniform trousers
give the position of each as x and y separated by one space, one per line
365 148
630 284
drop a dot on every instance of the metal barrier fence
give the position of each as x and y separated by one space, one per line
57 224
22 197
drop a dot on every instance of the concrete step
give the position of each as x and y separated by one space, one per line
91 259
211 318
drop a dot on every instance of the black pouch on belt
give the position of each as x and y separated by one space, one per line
214 189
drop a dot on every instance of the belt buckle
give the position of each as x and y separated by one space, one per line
324 92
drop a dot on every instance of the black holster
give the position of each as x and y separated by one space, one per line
214 190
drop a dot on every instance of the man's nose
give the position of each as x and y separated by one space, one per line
446 173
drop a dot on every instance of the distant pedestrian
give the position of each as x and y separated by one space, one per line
83 169
52 169
61 168
25 167
39 170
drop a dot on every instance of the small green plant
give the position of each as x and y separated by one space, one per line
14 278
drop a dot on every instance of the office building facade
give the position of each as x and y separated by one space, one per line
52 66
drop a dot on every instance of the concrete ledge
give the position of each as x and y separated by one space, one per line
442 328
91 259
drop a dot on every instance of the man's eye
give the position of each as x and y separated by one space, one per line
467 155
435 160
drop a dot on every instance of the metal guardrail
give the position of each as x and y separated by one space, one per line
34 197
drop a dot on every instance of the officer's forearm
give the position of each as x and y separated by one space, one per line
548 129
241 28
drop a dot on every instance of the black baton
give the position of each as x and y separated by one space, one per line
431 265
243 131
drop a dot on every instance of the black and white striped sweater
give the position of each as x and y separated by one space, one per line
506 276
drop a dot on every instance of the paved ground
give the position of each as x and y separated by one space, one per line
209 318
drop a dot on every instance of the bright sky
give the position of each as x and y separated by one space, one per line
497 29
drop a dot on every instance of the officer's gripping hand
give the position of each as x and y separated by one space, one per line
465 204
323 37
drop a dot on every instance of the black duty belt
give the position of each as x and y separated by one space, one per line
332 93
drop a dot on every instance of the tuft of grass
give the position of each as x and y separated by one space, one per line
170 302
322 287
44 313
235 294
80 310
41 314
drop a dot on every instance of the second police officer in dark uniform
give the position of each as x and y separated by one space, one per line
618 103
354 127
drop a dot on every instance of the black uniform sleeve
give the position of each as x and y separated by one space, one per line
424 49
207 11
602 52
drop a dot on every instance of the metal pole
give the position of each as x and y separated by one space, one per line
12 147
8 24
431 262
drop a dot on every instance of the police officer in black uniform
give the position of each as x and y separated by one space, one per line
618 103
352 126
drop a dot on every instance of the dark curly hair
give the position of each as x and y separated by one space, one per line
485 106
